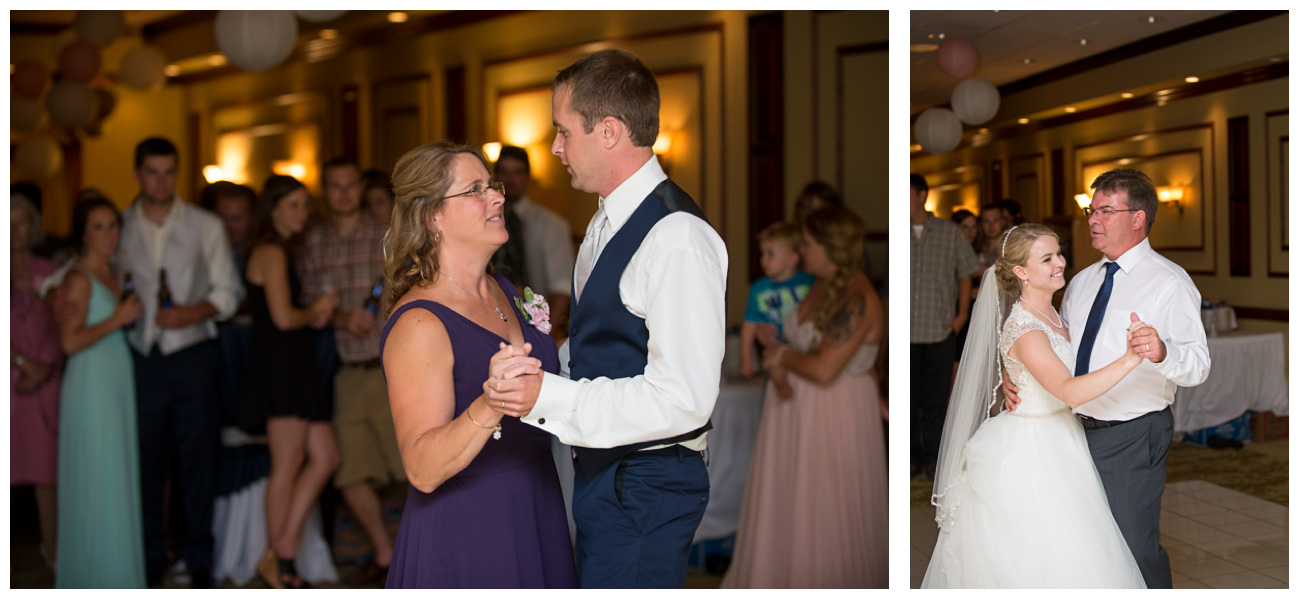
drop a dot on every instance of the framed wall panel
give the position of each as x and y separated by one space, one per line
400 113
1277 153
1028 183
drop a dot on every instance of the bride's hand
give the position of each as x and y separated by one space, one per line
1010 392
1130 353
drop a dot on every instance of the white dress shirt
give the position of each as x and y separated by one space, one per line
676 281
548 248
191 245
1163 296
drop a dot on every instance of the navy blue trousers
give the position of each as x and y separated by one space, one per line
636 518
177 407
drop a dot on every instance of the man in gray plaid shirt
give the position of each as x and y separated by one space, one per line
942 266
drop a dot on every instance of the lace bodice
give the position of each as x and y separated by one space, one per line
802 336
1034 400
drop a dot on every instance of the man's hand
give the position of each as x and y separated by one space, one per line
1146 342
177 317
1010 390
360 322
957 323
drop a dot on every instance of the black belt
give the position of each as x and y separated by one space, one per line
363 364
593 460
1091 423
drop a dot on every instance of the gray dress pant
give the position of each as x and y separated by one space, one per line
1131 457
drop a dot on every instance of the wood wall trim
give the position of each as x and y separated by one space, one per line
1262 314
1268 191
636 37
1239 197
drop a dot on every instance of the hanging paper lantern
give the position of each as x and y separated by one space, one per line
38 157
256 40
99 27
142 67
71 104
938 130
956 57
319 16
975 101
29 79
25 114
79 61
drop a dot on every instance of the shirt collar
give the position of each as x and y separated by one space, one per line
1130 259
624 200
177 212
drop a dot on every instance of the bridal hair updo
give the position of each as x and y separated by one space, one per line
842 233
421 180
1015 252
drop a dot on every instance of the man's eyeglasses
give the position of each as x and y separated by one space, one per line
480 191
1088 211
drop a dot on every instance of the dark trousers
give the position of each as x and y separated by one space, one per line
177 407
636 518
1131 457
931 384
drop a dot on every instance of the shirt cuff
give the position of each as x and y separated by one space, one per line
556 400
1169 366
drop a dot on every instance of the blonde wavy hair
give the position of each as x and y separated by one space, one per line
421 180
842 233
1015 252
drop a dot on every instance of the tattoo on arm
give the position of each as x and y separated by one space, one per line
846 320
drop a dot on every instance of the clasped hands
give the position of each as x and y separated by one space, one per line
1143 340
514 380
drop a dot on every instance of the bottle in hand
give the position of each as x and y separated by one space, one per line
164 292
372 303
128 289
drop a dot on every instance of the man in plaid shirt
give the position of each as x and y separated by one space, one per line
942 265
345 254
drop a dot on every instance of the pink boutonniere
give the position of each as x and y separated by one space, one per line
535 309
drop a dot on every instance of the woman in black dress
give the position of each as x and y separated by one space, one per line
283 387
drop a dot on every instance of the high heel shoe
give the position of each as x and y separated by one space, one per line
289 577
269 569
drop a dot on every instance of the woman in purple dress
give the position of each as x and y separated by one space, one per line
485 508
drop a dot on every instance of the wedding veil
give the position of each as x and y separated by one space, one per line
974 394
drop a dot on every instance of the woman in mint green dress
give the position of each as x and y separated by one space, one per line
100 530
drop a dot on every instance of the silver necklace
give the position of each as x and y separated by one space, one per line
1059 322
480 300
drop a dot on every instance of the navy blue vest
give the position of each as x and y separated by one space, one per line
607 340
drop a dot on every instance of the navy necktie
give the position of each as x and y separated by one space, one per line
1094 320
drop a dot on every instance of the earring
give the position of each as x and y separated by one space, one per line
1024 282
437 236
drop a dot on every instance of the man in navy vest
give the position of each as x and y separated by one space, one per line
644 356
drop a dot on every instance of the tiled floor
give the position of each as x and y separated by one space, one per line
1215 537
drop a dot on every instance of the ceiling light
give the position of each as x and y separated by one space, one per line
397 17
1083 42
1022 120
172 70
984 129
1152 19
1192 79
916 148
1070 109
1028 60
924 47
941 36
1126 95
329 34
217 60
1164 92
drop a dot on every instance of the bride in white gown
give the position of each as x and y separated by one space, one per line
1017 498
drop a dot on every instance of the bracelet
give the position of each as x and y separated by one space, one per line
779 351
496 431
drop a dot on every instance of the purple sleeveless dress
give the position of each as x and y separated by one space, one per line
500 523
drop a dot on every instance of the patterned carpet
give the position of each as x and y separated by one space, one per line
1258 469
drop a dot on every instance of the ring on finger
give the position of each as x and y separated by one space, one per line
503 404
1148 347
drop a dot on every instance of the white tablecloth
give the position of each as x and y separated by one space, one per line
1247 372
731 442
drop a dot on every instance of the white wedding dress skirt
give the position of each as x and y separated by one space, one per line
1030 511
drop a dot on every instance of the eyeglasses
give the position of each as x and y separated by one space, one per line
480 191
1088 211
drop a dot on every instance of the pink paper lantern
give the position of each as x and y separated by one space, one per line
79 62
30 79
957 57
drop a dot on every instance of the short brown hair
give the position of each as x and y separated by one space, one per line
782 231
1141 192
613 83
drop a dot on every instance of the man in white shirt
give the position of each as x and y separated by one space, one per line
646 336
1130 428
175 352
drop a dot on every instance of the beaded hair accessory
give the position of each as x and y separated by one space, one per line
1004 240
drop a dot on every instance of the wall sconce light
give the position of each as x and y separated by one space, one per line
290 168
662 147
1171 194
493 151
1083 201
213 174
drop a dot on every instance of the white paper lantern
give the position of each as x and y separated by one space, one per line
99 27
319 16
975 101
71 104
256 40
38 157
26 114
142 67
938 130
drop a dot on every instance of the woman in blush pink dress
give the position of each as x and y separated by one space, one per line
815 513
35 370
